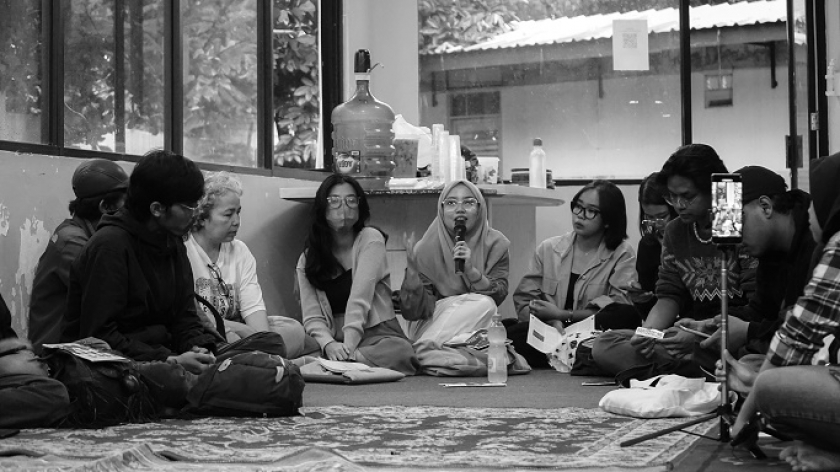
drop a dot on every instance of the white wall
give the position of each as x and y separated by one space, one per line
832 40
585 136
388 29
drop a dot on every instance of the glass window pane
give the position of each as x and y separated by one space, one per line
746 118
21 110
551 68
220 81
297 84
113 75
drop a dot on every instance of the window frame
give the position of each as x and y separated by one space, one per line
331 33
53 35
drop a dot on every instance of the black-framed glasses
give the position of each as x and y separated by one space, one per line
451 204
678 201
334 201
585 212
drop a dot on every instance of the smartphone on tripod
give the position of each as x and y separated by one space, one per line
727 208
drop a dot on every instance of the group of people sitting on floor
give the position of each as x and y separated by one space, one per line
150 265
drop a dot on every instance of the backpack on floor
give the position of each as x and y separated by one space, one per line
248 384
102 393
268 342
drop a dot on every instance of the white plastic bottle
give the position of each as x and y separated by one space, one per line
497 351
536 171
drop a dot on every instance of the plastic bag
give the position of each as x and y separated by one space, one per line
663 396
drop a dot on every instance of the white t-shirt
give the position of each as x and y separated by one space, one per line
238 269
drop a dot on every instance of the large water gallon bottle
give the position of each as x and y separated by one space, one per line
536 171
497 352
363 133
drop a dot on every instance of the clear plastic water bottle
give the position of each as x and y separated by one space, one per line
536 172
363 128
497 352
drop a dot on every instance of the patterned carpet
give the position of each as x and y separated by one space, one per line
363 438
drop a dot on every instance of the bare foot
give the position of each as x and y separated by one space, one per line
805 457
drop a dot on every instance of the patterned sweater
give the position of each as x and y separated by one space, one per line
690 274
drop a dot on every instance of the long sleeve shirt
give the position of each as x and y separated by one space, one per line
369 303
548 274
690 274
815 315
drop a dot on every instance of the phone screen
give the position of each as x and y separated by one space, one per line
727 208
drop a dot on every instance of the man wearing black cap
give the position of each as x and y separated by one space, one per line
794 396
99 186
776 231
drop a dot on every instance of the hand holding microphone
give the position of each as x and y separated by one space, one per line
460 236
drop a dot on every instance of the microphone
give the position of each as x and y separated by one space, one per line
460 234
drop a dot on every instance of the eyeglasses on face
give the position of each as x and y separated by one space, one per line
191 209
335 201
584 212
678 201
451 204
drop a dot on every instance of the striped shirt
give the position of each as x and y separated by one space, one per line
815 315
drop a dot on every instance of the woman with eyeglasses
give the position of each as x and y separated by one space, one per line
442 298
225 271
654 215
576 275
345 283
688 286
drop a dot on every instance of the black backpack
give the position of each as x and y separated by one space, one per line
248 384
102 393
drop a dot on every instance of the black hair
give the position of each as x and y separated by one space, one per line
652 193
88 208
321 264
165 177
613 211
695 162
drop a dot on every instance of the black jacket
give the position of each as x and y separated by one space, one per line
781 278
49 287
134 290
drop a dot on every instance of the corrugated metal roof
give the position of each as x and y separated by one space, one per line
587 28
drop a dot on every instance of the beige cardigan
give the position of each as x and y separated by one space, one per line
370 295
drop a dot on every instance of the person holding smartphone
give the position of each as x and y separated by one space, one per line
795 397
776 232
689 278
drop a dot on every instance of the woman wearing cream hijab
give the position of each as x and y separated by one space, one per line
437 302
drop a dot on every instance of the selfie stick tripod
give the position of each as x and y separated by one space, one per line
724 409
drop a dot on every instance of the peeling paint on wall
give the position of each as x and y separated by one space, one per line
33 241
4 220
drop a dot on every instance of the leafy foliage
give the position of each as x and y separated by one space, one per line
445 24
220 74
297 99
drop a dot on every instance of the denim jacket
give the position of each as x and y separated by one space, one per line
548 274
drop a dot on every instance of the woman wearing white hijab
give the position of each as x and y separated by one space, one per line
438 303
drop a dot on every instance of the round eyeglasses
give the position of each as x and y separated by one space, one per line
334 201
584 212
451 204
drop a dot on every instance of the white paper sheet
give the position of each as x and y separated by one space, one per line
541 336
630 45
